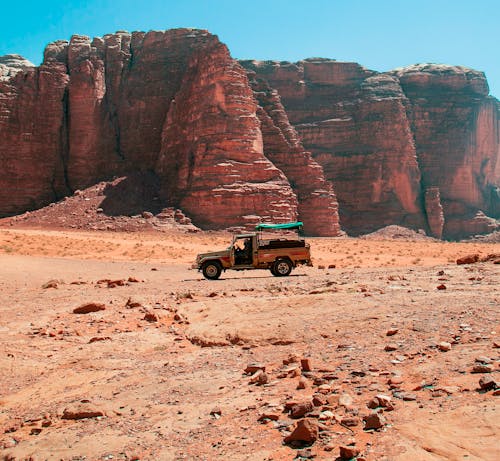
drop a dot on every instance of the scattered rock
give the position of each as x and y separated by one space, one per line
319 400
254 367
302 384
350 421
444 346
291 359
348 452
268 416
469 259
381 400
301 409
374 421
305 453
131 303
345 400
99 338
487 383
88 308
259 377
390 347
305 364
116 283
51 284
391 332
82 411
482 368
395 380
306 431
151 316
326 415
441 287
216 413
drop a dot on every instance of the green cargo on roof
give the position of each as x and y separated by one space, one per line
289 225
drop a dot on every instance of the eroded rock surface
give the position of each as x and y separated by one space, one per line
233 144
416 147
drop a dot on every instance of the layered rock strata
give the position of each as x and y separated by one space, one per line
456 129
173 103
417 147
317 204
212 161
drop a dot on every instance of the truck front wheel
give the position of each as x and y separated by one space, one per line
281 268
211 270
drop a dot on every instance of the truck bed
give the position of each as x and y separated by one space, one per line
281 243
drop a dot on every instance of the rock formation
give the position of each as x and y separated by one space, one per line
417 147
317 204
233 144
212 160
456 129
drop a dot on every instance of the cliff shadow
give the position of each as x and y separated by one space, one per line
133 194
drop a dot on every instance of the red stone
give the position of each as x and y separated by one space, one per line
88 308
306 431
348 452
469 259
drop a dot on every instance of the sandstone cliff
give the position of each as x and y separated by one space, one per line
234 143
174 103
417 147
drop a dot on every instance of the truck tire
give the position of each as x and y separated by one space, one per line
211 270
281 267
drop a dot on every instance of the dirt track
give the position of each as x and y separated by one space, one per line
174 387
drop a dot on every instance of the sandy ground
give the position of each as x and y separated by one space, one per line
160 371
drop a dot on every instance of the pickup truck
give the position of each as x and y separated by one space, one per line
279 254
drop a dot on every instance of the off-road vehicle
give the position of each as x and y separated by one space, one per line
278 253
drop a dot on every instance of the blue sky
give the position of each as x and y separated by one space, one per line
379 34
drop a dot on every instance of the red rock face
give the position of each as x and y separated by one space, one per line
456 128
33 138
317 204
102 108
212 160
382 139
355 125
417 147
434 211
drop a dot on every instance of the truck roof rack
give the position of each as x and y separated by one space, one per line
289 225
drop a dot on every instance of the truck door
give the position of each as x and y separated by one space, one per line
255 251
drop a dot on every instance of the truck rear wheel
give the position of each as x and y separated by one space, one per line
211 270
281 268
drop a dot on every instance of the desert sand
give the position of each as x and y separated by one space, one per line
157 371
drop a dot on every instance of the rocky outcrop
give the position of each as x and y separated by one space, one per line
434 211
212 160
417 147
317 204
11 64
456 129
233 144
354 122
174 103
33 137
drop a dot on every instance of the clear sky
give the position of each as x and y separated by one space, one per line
379 34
